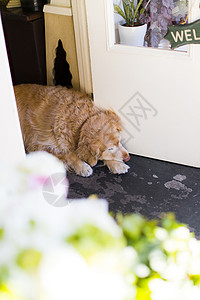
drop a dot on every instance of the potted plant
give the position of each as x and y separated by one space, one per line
132 32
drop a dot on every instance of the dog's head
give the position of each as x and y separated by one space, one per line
100 139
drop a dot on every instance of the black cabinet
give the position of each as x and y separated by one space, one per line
25 41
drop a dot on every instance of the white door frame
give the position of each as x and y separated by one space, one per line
82 45
12 147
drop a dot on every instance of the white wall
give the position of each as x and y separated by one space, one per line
11 144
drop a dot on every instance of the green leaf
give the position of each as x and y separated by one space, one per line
137 8
132 5
132 226
32 224
1 233
169 222
195 279
147 4
142 294
90 239
142 11
131 12
127 11
4 273
119 11
29 259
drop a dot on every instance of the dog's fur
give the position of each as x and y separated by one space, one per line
67 124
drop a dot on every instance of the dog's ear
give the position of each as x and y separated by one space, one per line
94 154
89 154
113 116
92 161
113 120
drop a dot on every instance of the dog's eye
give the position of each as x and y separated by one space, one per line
111 149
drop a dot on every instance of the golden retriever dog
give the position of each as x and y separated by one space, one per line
67 124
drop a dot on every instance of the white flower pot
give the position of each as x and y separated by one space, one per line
132 36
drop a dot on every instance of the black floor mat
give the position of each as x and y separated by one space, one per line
149 188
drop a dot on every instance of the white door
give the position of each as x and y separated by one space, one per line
11 143
156 92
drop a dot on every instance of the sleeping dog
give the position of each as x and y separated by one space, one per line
67 124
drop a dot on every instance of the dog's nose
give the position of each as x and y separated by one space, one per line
126 158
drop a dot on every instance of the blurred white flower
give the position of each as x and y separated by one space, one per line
174 272
9 183
181 233
161 289
194 247
161 233
169 290
28 174
117 260
41 163
38 261
158 260
172 245
141 270
23 284
64 274
89 211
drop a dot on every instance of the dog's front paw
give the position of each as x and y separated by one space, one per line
84 170
117 167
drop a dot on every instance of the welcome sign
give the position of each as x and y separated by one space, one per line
179 35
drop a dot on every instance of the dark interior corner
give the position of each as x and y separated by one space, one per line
25 41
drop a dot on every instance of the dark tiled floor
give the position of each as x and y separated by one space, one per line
150 187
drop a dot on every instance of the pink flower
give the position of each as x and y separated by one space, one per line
36 181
